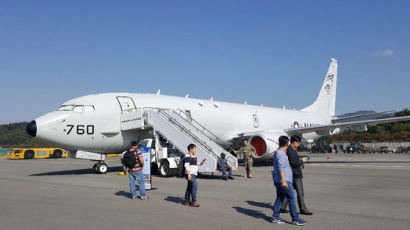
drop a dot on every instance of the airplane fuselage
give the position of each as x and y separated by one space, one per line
99 130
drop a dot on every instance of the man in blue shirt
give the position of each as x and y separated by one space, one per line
282 178
224 166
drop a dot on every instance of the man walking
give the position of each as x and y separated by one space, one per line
296 162
248 153
282 178
191 170
136 173
223 166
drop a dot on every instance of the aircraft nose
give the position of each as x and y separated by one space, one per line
32 128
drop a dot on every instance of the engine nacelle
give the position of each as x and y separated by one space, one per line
265 143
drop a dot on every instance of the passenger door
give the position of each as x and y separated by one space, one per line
127 104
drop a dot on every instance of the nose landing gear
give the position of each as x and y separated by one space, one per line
100 167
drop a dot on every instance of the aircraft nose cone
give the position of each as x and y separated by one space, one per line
31 128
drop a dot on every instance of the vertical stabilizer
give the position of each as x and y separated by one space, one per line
326 100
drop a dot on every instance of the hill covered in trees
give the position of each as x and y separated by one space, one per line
14 135
398 131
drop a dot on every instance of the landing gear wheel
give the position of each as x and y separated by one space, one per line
101 168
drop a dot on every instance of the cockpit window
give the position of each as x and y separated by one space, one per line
78 108
88 108
66 108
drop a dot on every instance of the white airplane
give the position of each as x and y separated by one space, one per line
92 123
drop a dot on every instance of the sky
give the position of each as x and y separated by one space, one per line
264 52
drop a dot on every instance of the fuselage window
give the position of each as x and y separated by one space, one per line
78 108
89 108
66 108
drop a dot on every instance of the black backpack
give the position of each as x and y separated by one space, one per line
128 160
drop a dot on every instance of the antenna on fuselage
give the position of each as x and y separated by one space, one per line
187 95
159 92
261 105
284 107
245 103
212 99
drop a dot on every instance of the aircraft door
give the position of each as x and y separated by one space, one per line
127 104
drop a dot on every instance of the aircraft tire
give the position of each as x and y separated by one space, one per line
95 167
102 168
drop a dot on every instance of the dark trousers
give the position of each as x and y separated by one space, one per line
223 169
298 185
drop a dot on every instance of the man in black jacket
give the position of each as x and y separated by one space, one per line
296 162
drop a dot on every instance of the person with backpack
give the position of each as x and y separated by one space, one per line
191 171
134 162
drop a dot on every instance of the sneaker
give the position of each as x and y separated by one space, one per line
277 220
231 178
187 205
143 197
134 197
195 204
224 178
299 222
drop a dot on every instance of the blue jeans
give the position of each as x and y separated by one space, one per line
281 193
140 177
191 189
223 169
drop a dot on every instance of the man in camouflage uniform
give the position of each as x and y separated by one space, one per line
248 152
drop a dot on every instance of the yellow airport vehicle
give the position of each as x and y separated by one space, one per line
38 153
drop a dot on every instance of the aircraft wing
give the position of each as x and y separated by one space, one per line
339 119
352 124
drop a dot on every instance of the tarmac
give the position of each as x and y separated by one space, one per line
343 191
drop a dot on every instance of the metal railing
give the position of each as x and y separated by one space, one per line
188 132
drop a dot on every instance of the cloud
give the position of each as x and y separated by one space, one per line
388 52
385 53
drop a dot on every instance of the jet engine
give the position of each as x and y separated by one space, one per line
265 143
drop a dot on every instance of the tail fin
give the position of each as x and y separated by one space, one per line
326 100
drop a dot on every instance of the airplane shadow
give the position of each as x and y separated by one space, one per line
253 213
75 172
215 176
174 199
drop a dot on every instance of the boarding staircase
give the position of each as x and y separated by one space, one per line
181 130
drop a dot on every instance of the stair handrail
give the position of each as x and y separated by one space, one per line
187 131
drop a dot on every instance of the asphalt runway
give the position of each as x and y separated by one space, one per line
66 194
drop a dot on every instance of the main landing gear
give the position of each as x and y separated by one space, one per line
100 167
